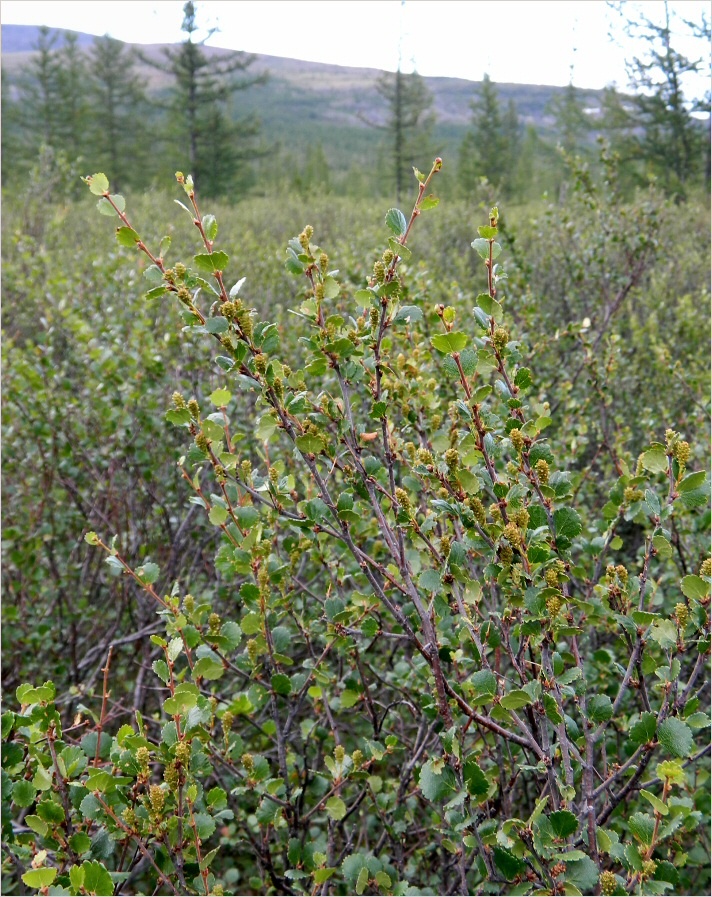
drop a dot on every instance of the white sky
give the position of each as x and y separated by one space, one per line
519 41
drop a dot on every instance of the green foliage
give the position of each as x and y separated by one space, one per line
413 633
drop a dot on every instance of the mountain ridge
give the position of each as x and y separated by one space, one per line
348 85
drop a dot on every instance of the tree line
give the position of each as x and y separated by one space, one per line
87 106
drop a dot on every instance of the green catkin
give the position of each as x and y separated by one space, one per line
541 468
500 338
609 885
517 439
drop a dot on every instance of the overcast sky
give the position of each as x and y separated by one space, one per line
520 41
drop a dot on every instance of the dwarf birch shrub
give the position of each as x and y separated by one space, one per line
428 664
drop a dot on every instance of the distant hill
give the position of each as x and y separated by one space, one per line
23 38
316 92
308 104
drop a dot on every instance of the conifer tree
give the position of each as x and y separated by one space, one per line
73 106
408 124
572 125
672 143
490 147
117 97
38 107
216 148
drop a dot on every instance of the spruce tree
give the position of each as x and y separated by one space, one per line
408 124
216 148
117 97
672 143
38 112
490 147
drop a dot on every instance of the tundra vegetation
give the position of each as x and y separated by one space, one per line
356 549
402 589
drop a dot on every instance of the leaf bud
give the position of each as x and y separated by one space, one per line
542 471
39 859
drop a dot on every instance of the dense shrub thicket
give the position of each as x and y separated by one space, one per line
422 607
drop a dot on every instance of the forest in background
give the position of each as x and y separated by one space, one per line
262 125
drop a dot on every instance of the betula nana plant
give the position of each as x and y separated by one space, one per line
426 665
